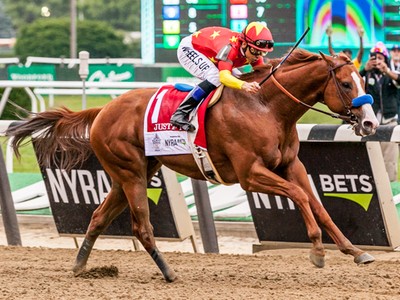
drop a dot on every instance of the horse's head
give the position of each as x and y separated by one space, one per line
346 95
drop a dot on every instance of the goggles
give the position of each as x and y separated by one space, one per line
256 52
264 44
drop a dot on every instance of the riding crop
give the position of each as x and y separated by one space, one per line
284 59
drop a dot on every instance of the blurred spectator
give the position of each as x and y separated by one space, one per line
395 66
380 83
356 61
395 58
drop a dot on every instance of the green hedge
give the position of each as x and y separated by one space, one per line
51 38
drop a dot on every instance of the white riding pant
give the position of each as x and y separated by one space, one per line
197 63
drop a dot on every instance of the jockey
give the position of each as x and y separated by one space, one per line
211 54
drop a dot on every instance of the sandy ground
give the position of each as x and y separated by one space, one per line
41 269
46 235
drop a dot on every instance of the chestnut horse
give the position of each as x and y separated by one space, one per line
252 140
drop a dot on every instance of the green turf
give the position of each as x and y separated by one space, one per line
20 180
398 210
36 212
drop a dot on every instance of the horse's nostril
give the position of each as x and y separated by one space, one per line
368 127
367 124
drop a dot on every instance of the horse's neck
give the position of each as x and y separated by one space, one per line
301 81
297 84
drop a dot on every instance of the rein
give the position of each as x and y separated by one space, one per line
349 116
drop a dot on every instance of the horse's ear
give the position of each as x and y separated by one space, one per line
329 62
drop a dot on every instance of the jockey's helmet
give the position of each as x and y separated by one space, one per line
258 36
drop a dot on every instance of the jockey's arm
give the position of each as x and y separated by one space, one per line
227 79
225 75
231 81
226 57
228 75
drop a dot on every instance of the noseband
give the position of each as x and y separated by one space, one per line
349 117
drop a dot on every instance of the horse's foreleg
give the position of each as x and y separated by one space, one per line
344 245
262 180
112 206
143 230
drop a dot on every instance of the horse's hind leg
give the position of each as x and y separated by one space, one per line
143 230
152 249
112 206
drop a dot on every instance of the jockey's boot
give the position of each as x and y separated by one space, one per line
180 118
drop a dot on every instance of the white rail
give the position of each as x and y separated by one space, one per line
71 62
9 60
79 84
306 132
38 104
51 92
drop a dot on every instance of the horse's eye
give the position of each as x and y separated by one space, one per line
346 85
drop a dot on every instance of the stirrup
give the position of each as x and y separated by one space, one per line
183 125
189 127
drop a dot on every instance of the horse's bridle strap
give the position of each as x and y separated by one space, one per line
332 72
285 91
291 96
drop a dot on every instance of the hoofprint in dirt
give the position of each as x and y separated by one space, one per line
44 273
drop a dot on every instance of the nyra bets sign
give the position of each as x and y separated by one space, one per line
74 196
344 184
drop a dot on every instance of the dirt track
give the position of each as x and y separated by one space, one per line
44 273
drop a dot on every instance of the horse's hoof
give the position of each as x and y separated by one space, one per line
170 276
317 260
78 270
364 259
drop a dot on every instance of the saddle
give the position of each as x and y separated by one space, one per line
216 95
162 138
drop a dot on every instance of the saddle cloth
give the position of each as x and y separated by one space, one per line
160 136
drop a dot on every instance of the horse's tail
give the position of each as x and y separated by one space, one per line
61 136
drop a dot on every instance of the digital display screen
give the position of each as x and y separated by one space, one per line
345 16
172 20
171 27
238 12
175 19
171 12
392 21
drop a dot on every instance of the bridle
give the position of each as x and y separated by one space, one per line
349 117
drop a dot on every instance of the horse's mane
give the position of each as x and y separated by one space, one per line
298 56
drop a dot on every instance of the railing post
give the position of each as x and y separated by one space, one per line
204 212
7 207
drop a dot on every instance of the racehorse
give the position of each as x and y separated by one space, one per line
252 140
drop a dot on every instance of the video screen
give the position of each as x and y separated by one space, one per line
345 16
172 20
